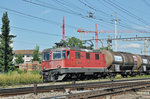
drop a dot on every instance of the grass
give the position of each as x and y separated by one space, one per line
119 77
23 78
15 78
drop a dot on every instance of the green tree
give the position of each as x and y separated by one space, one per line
36 54
6 54
74 42
106 48
19 59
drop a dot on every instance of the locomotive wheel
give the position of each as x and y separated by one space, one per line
112 76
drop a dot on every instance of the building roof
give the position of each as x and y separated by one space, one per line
24 51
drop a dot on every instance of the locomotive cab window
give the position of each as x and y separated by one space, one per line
63 54
46 56
96 56
57 55
87 55
77 55
68 54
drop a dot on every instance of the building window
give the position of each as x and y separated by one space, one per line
77 55
96 56
87 55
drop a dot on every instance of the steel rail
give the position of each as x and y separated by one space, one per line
38 89
103 92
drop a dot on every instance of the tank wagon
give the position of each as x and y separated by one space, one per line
68 63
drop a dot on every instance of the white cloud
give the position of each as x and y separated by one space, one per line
46 11
142 27
132 45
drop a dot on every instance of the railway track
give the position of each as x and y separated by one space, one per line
74 86
100 93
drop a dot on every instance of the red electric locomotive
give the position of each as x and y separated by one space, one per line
68 63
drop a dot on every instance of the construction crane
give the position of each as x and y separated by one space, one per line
96 35
63 29
106 31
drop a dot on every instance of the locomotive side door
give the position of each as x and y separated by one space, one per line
68 59
72 58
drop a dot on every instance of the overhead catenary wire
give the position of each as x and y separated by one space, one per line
42 18
60 10
35 31
35 17
72 5
94 8
38 4
123 17
126 11
124 26
146 3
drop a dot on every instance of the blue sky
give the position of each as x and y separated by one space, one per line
38 22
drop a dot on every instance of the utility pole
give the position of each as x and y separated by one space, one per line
116 31
145 47
80 34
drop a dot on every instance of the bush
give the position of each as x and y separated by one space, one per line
118 77
19 71
35 71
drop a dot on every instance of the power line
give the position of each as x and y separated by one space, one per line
130 7
93 8
125 25
62 4
39 4
122 25
45 20
146 3
79 14
126 11
35 17
73 5
35 31
48 7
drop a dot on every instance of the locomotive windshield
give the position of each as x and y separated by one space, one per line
46 56
59 55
